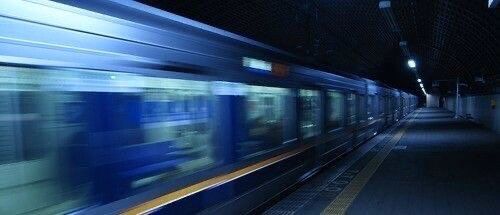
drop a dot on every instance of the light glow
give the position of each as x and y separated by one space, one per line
423 90
492 3
256 64
422 85
411 63
419 80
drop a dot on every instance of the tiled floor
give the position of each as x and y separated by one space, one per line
440 165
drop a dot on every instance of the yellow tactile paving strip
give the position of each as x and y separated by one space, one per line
154 204
347 196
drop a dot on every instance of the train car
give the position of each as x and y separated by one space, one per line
115 107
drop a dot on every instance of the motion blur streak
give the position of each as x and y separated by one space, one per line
106 105
71 138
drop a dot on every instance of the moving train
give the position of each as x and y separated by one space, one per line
116 107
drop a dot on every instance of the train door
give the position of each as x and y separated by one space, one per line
323 113
310 113
311 119
372 108
401 106
254 120
362 108
381 112
352 112
270 120
335 118
335 110
384 110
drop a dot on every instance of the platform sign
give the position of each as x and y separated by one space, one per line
264 67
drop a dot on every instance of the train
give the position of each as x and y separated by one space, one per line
111 106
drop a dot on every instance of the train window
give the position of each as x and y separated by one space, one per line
186 128
77 138
18 115
351 104
269 120
335 111
310 113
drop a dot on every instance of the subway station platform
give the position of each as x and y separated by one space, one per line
429 163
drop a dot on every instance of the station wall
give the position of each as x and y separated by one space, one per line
432 100
482 109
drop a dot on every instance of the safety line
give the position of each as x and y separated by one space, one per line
150 206
342 202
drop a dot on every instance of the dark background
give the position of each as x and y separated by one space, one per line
447 38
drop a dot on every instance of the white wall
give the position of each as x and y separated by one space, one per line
432 100
479 109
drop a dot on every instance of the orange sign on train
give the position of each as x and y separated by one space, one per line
280 70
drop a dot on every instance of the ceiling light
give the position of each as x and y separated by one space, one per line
404 48
493 3
419 80
421 85
385 7
411 63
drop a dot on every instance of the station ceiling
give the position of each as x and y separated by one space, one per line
447 38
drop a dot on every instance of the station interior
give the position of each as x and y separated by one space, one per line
274 107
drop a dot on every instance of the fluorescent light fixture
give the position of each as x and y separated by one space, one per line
421 85
411 63
419 80
404 48
384 4
385 7
256 64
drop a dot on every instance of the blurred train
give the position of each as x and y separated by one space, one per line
116 107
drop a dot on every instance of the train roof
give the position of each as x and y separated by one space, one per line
146 18
144 14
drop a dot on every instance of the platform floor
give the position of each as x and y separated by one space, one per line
430 163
